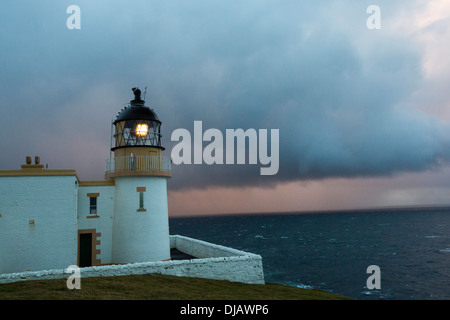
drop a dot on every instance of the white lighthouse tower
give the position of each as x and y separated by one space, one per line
140 221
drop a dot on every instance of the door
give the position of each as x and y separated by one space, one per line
85 250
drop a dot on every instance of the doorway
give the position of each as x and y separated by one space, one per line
88 240
85 253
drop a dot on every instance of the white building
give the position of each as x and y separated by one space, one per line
49 219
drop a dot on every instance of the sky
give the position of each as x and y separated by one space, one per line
363 114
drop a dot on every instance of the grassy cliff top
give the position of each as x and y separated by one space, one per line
157 287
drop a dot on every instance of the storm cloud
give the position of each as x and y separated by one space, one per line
341 95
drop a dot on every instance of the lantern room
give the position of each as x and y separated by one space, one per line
137 125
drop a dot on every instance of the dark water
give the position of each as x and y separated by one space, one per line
331 251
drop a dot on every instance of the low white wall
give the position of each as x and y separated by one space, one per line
203 249
216 262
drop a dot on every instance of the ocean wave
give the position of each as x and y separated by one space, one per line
260 236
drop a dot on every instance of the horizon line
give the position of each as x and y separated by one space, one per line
320 211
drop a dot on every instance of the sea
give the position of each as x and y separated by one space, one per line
332 251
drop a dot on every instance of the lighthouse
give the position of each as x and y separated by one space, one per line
140 174
51 220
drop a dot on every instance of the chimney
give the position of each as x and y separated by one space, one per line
36 166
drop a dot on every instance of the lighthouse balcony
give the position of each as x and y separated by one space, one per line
138 166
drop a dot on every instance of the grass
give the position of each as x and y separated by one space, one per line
157 287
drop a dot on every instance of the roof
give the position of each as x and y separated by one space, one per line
136 112
36 170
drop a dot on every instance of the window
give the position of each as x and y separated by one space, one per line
141 200
93 202
93 205
141 191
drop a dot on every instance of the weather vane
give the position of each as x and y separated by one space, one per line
145 91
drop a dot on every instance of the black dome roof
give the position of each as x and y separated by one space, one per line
136 110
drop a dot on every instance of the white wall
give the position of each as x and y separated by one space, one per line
140 236
226 264
49 242
216 262
203 249
103 221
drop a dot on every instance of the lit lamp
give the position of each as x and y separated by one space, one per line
141 129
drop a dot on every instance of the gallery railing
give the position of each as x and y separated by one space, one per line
138 163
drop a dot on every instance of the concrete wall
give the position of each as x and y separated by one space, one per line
102 222
203 249
224 264
216 262
38 222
